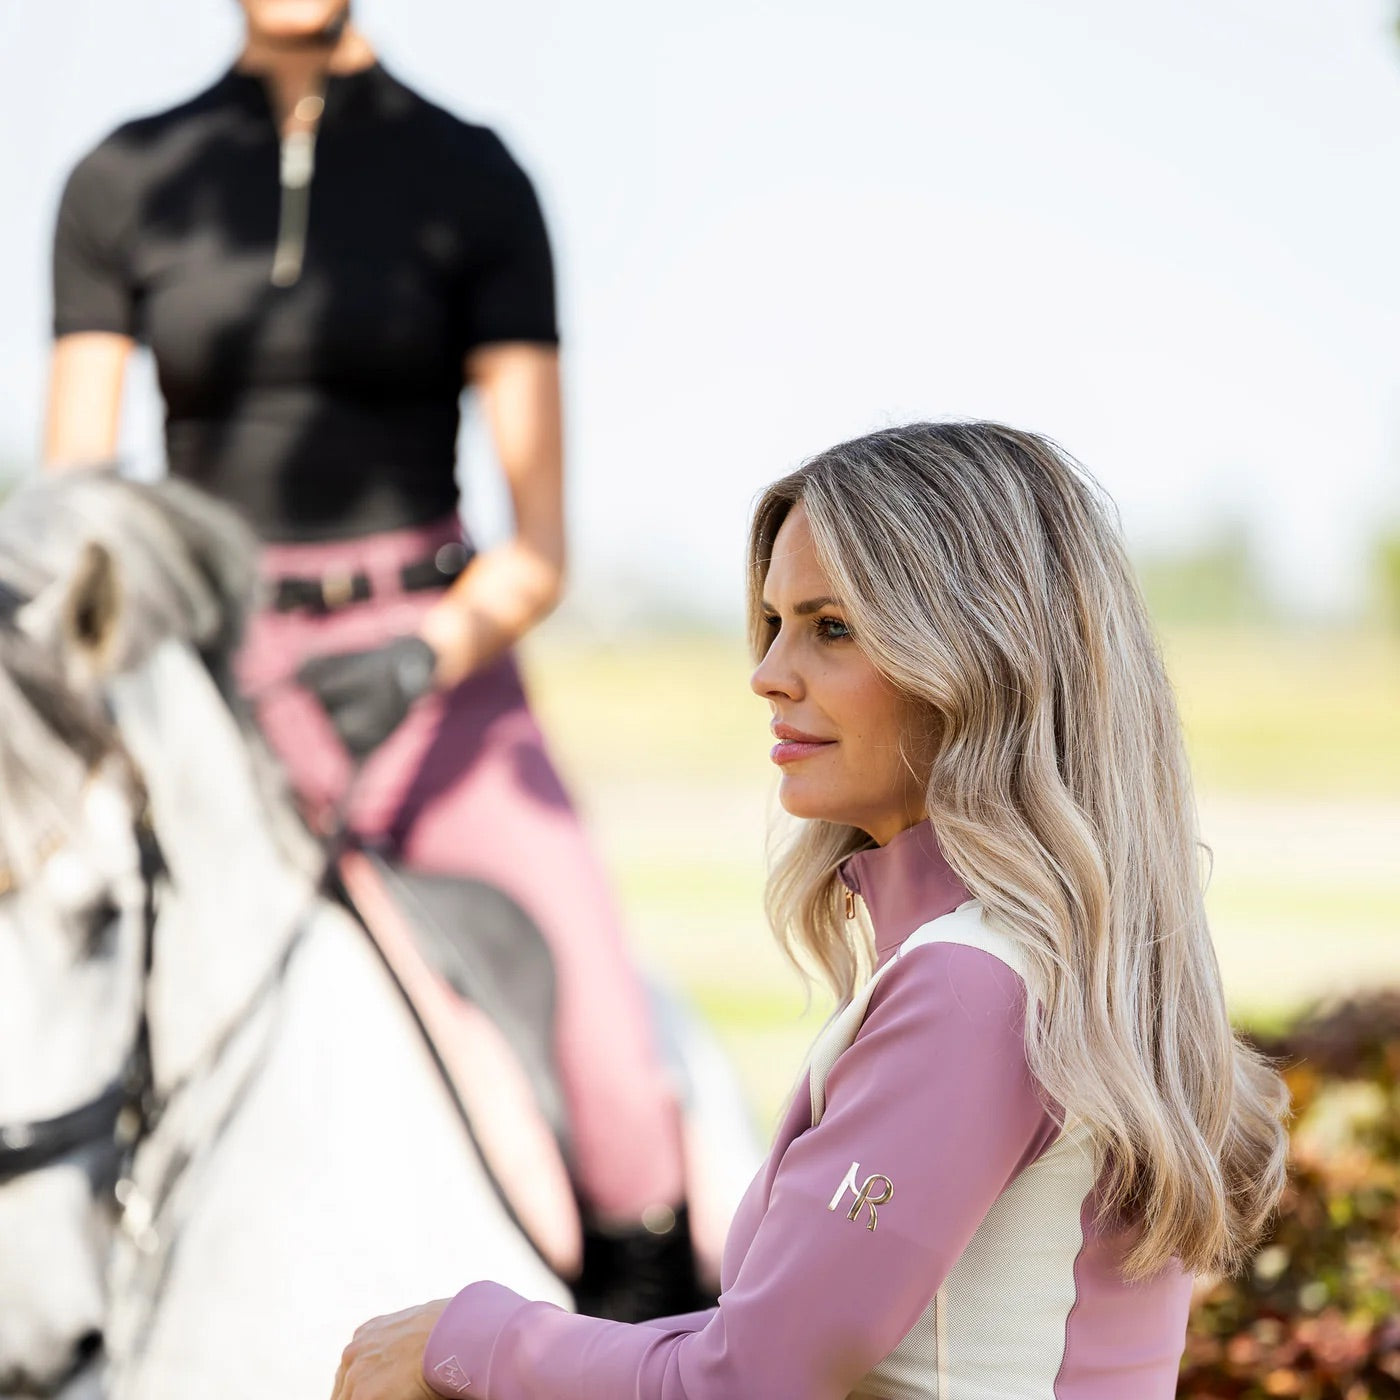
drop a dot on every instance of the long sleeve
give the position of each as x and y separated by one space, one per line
682 1322
930 1112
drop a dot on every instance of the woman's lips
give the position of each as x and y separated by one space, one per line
790 750
793 744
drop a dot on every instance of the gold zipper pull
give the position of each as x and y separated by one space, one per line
850 903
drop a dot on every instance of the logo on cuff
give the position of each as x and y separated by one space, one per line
451 1374
874 1191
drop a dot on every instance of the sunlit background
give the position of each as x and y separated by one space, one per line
1165 235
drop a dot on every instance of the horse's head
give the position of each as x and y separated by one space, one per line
120 607
73 939
115 568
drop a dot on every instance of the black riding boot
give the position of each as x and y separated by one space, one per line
634 1273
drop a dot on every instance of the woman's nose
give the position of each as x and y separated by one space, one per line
775 677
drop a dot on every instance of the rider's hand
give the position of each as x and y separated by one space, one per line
385 1359
366 694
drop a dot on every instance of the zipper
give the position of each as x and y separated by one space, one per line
296 166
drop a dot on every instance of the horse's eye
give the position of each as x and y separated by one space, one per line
100 922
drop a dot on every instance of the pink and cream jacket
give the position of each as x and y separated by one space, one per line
923 1225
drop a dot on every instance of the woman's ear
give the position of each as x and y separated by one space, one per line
92 609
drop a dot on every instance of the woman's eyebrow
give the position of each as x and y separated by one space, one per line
810 606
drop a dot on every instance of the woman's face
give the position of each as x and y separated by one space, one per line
291 20
847 739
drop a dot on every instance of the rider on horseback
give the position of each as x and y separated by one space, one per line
312 336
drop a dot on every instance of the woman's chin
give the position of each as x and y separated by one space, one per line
798 799
289 20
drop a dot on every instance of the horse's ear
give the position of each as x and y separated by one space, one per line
92 606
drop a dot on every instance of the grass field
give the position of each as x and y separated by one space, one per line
1295 742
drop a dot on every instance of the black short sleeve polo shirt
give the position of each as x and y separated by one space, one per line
328 407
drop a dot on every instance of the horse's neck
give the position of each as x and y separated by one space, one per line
342 1181
234 901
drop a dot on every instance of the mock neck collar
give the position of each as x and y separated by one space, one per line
361 93
905 883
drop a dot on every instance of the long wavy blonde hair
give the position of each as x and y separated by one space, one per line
982 572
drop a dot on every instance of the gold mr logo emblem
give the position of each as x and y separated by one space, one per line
873 1191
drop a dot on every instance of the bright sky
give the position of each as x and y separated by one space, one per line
1165 234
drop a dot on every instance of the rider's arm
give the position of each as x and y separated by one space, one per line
505 590
511 359
86 372
94 311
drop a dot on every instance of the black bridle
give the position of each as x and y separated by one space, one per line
121 1113
30 1147
131 1108
124 1111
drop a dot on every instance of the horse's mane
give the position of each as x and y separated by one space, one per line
187 563
185 568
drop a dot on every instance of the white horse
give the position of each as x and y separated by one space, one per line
72 927
308 1166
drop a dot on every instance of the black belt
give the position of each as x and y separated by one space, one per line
342 587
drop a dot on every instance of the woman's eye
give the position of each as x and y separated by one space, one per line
832 629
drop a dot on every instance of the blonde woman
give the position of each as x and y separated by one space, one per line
1029 1124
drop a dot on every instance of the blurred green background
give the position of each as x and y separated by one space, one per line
1294 733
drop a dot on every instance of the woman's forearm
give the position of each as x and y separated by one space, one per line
506 590
500 596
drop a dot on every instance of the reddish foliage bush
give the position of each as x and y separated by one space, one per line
1318 1315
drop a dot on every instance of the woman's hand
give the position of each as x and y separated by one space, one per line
384 1360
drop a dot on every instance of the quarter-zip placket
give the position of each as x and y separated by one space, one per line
296 166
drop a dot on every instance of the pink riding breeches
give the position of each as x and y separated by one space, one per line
466 785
